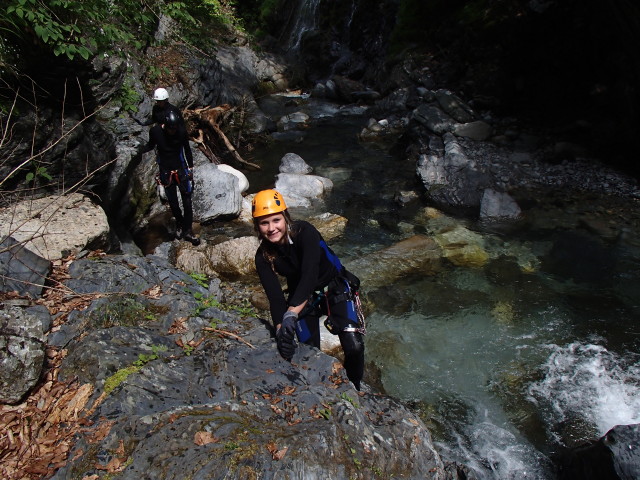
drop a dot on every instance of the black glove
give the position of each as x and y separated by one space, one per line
286 334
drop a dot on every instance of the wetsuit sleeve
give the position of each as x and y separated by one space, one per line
271 285
308 240
151 144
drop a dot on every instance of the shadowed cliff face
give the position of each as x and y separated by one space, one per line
566 67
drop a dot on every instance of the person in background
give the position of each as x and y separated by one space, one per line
175 162
161 109
317 284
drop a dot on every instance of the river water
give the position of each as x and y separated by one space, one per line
508 364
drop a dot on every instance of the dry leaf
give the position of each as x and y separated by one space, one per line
288 390
275 453
204 438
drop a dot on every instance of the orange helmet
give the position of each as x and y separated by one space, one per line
267 202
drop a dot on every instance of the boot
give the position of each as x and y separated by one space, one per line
190 237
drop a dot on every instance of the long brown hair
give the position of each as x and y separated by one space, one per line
268 248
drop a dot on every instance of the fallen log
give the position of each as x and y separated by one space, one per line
206 122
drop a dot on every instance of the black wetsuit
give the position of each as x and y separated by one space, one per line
174 157
308 270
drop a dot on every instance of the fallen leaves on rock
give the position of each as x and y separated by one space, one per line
204 438
38 434
275 453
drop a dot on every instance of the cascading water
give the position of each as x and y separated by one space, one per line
302 20
507 363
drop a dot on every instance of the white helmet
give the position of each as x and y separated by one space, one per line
160 94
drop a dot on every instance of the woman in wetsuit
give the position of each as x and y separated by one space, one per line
317 284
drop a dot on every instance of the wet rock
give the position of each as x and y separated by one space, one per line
615 456
498 205
417 254
462 247
293 121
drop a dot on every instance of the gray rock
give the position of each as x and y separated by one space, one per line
309 187
615 456
42 225
22 270
216 193
293 121
454 106
22 351
433 118
498 205
294 163
477 130
227 407
454 179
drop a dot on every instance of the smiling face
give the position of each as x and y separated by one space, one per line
273 228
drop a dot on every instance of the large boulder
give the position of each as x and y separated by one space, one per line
233 258
43 225
300 190
452 179
22 352
225 404
216 193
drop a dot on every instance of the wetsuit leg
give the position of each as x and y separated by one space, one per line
172 199
185 193
341 316
353 348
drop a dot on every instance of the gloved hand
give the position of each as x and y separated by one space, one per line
286 334
139 122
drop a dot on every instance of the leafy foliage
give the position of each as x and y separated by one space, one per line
82 28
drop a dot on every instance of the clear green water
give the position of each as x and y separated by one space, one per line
506 367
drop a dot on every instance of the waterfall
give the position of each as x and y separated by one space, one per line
303 20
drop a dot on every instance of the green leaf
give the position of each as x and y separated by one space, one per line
29 177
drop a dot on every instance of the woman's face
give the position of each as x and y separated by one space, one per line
273 227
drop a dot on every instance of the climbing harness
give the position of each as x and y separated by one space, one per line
343 288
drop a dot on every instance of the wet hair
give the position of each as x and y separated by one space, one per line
269 249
